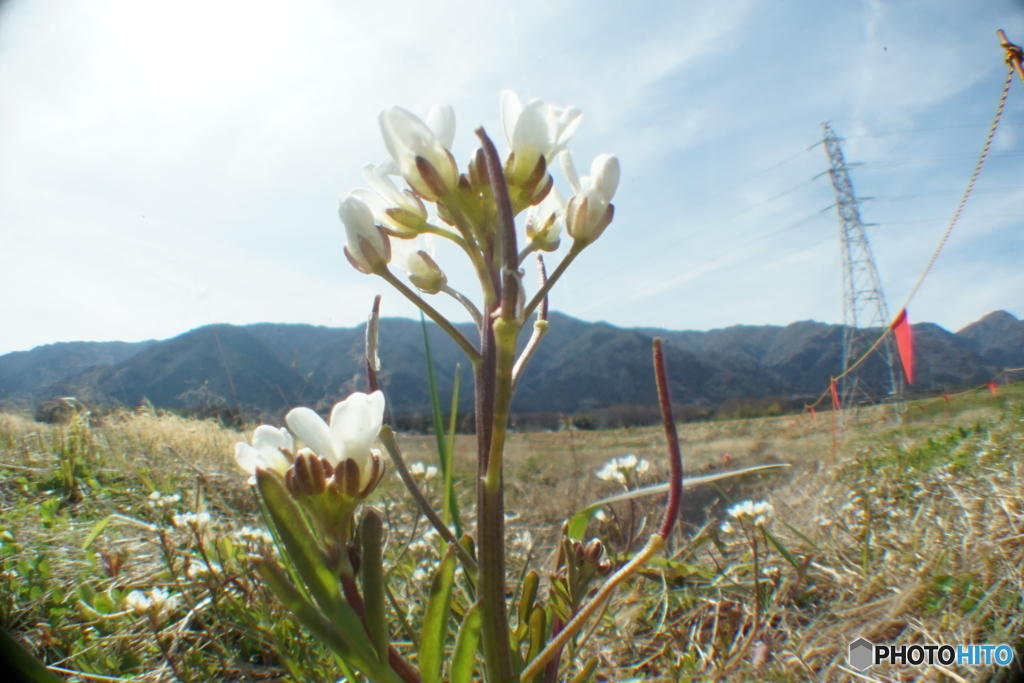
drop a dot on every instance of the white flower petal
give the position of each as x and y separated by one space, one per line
355 425
441 120
569 171
605 174
273 439
511 108
311 428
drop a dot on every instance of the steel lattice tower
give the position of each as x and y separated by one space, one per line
863 299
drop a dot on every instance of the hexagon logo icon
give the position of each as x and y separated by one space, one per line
862 654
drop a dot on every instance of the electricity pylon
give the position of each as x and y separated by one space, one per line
863 299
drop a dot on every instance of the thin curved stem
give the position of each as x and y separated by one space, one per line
387 437
542 293
540 328
442 322
447 234
464 300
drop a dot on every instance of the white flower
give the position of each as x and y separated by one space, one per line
271 449
534 131
611 473
642 466
355 425
198 570
544 221
192 520
157 603
399 212
419 152
727 528
419 264
590 210
618 469
367 245
421 471
758 513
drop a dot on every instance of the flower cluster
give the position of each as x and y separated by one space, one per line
620 469
750 512
383 223
158 604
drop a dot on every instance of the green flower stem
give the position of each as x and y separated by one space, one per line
655 544
473 248
387 437
542 293
447 234
474 312
442 322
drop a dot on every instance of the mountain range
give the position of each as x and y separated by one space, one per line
264 369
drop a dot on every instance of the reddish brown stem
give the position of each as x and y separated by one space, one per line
675 456
404 670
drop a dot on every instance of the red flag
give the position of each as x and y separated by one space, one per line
993 387
946 396
905 343
814 415
835 395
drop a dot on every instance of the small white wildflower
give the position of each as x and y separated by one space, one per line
420 575
197 521
524 539
728 528
748 509
642 466
601 516
611 473
198 570
422 471
158 603
254 534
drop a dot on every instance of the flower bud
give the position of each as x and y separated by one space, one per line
367 245
419 265
544 222
590 210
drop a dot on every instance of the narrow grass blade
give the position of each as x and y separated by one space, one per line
577 524
589 669
306 554
783 550
372 572
23 662
464 657
97 529
450 505
435 621
450 501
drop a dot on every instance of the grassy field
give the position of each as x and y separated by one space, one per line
909 532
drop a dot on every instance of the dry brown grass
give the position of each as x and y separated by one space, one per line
914 532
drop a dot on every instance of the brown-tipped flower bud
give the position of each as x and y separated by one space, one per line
367 245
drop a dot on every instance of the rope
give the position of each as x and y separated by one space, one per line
1013 56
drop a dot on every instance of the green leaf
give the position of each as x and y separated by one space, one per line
372 571
96 531
464 657
443 455
783 550
314 621
530 584
451 502
435 621
15 655
307 555
587 673
577 524
538 629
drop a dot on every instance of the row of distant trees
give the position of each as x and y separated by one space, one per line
614 417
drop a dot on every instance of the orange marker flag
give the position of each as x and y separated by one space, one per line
835 395
946 396
993 387
814 415
905 343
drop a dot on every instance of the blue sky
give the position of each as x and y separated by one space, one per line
169 165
